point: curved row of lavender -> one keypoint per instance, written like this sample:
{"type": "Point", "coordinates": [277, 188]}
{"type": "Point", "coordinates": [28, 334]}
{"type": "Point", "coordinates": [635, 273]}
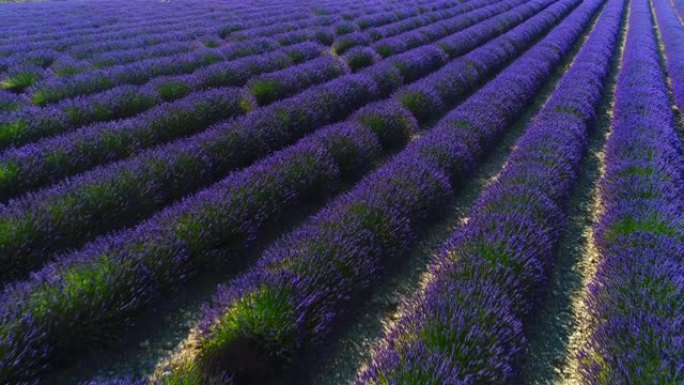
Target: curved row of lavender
{"type": "Point", "coordinates": [118, 194]}
{"type": "Point", "coordinates": [178, 239]}
{"type": "Point", "coordinates": [267, 320]}
{"type": "Point", "coordinates": [636, 298]}
{"type": "Point", "coordinates": [466, 325]}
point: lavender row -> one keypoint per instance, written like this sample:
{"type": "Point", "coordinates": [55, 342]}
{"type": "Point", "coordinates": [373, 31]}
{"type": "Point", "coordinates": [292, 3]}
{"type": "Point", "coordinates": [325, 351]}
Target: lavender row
{"type": "Point", "coordinates": [68, 39]}
{"type": "Point", "coordinates": [110, 59]}
{"type": "Point", "coordinates": [189, 30]}
{"type": "Point", "coordinates": [125, 272]}
{"type": "Point", "coordinates": [51, 159]}
{"type": "Point", "coordinates": [420, 20]}
{"type": "Point", "coordinates": [99, 48]}
{"type": "Point", "coordinates": [33, 123]}
{"type": "Point", "coordinates": [181, 41]}
{"type": "Point", "coordinates": [273, 29]}
{"type": "Point", "coordinates": [458, 18]}
{"type": "Point", "coordinates": [170, 172]}
{"type": "Point", "coordinates": [270, 31]}
{"type": "Point", "coordinates": [391, 17]}
{"type": "Point", "coordinates": [21, 73]}
{"type": "Point", "coordinates": [672, 32]}
{"type": "Point", "coordinates": [451, 81]}
{"type": "Point", "coordinates": [357, 15]}
{"type": "Point", "coordinates": [636, 297]}
{"type": "Point", "coordinates": [253, 58]}
{"type": "Point", "coordinates": [467, 323]}
{"type": "Point", "coordinates": [304, 284]}
{"type": "Point", "coordinates": [393, 21]}
{"type": "Point", "coordinates": [268, 88]}
{"type": "Point", "coordinates": [53, 90]}
{"type": "Point", "coordinates": [410, 39]}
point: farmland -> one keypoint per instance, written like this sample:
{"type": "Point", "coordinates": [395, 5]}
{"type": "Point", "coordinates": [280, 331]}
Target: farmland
{"type": "Point", "coordinates": [342, 192]}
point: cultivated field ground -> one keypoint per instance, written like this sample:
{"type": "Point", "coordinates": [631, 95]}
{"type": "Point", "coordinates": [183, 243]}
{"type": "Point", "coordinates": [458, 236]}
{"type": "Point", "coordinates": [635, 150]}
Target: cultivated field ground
{"type": "Point", "coordinates": [347, 192]}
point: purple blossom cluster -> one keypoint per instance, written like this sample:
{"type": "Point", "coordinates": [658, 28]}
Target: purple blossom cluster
{"type": "Point", "coordinates": [636, 297]}
{"type": "Point", "coordinates": [112, 58]}
{"type": "Point", "coordinates": [10, 101]}
{"type": "Point", "coordinates": [360, 57]}
{"type": "Point", "coordinates": [501, 258]}
{"type": "Point", "coordinates": [309, 279]}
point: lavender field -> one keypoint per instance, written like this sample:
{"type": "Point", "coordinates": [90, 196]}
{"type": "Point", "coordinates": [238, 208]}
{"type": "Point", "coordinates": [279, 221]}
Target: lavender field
{"type": "Point", "coordinates": [348, 192]}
